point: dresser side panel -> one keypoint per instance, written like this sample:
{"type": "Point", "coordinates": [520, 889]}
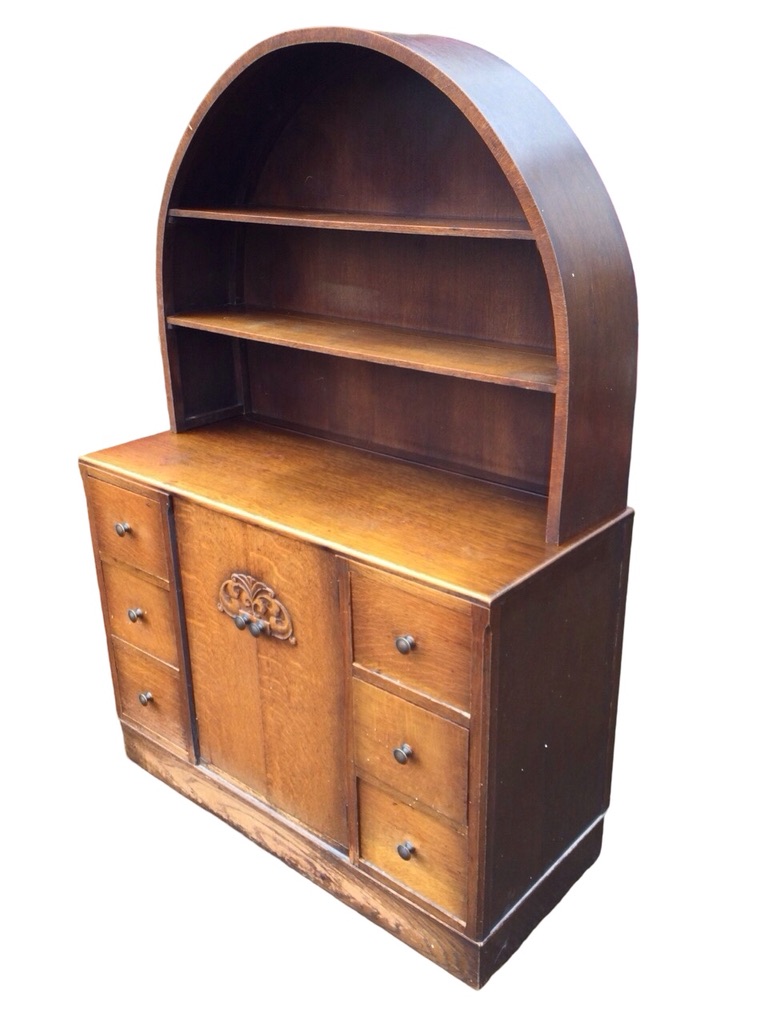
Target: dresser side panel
{"type": "Point", "coordinates": [557, 652]}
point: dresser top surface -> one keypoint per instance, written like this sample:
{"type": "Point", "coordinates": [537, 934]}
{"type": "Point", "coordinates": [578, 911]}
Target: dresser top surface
{"type": "Point", "coordinates": [468, 536]}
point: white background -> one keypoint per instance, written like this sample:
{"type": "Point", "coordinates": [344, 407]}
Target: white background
{"type": "Point", "coordinates": [121, 900]}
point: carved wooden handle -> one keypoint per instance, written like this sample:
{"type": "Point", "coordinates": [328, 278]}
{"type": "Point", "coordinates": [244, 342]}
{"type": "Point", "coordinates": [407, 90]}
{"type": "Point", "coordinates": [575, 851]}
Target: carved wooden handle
{"type": "Point", "coordinates": [253, 606]}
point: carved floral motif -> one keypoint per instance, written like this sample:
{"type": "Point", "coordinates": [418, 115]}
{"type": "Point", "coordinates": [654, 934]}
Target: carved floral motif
{"type": "Point", "coordinates": [242, 596]}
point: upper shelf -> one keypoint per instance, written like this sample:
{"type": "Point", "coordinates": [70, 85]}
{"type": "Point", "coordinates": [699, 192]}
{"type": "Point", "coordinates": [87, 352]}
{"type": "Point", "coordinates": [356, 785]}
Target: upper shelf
{"type": "Point", "coordinates": [475, 359]}
{"type": "Point", "coordinates": [343, 221]}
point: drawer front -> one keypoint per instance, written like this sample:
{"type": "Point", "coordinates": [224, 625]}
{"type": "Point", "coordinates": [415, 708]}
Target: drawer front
{"type": "Point", "coordinates": [140, 613]}
{"type": "Point", "coordinates": [413, 634]}
{"type": "Point", "coordinates": [436, 868]}
{"type": "Point", "coordinates": [150, 694]}
{"type": "Point", "coordinates": [130, 528]}
{"type": "Point", "coordinates": [412, 750]}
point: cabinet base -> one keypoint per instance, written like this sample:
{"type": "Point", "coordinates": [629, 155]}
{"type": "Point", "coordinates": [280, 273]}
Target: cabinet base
{"type": "Point", "coordinates": [470, 961]}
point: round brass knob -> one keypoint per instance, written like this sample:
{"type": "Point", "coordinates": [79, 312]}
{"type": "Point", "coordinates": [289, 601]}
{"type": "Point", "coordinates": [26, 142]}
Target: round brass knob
{"type": "Point", "coordinates": [405, 644]}
{"type": "Point", "coordinates": [134, 614]}
{"type": "Point", "coordinates": [145, 698]}
{"type": "Point", "coordinates": [406, 849]}
{"type": "Point", "coordinates": [121, 529]}
{"type": "Point", "coordinates": [402, 753]}
{"type": "Point", "coordinates": [241, 621]}
{"type": "Point", "coordinates": [257, 627]}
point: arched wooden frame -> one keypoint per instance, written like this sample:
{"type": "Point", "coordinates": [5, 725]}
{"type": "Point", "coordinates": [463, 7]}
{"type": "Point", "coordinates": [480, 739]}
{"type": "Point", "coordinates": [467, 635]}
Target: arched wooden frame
{"type": "Point", "coordinates": [579, 239]}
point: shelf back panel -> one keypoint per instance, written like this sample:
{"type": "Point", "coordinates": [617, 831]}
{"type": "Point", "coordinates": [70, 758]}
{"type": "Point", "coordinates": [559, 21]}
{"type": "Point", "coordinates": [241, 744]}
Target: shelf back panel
{"type": "Point", "coordinates": [483, 430]}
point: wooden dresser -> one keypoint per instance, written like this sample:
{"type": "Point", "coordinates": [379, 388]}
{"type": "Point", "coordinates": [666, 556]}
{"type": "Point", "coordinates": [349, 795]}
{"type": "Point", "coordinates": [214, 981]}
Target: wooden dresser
{"type": "Point", "coordinates": [365, 599]}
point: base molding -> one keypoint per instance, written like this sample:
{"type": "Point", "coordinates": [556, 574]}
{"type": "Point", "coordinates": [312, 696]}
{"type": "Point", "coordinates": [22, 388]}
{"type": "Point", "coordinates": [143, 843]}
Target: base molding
{"type": "Point", "coordinates": [471, 961]}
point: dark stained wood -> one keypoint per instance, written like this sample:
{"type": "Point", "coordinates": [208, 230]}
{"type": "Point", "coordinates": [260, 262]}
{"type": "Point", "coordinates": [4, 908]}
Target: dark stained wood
{"type": "Point", "coordinates": [375, 136]}
{"type": "Point", "coordinates": [370, 139]}
{"type": "Point", "coordinates": [399, 327]}
{"type": "Point", "coordinates": [556, 672]}
{"type": "Point", "coordinates": [468, 426]}
{"type": "Point", "coordinates": [446, 286]}
{"type": "Point", "coordinates": [442, 354]}
{"type": "Point", "coordinates": [359, 221]}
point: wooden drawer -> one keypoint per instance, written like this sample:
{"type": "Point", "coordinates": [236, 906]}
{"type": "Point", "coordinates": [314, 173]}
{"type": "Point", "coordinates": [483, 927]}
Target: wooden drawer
{"type": "Point", "coordinates": [150, 694]}
{"type": "Point", "coordinates": [150, 606]}
{"type": "Point", "coordinates": [436, 868]}
{"type": "Point", "coordinates": [433, 629]}
{"type": "Point", "coordinates": [141, 538]}
{"type": "Point", "coordinates": [412, 750]}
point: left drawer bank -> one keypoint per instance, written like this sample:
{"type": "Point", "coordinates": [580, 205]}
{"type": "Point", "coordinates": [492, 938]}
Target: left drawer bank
{"type": "Point", "coordinates": [134, 548]}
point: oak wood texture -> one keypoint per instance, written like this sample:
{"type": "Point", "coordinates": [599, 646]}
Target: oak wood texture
{"type": "Point", "coordinates": [166, 713]}
{"type": "Point", "coordinates": [143, 545]}
{"type": "Point", "coordinates": [435, 770]}
{"type": "Point", "coordinates": [268, 710]}
{"type": "Point", "coordinates": [398, 323]}
{"type": "Point", "coordinates": [153, 629]}
{"type": "Point", "coordinates": [440, 626]}
{"type": "Point", "coordinates": [136, 569]}
{"type": "Point", "coordinates": [437, 867]}
{"type": "Point", "coordinates": [469, 537]}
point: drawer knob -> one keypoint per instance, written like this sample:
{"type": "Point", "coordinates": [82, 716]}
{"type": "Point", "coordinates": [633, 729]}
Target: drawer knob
{"type": "Point", "coordinates": [134, 614]}
{"type": "Point", "coordinates": [121, 529]}
{"type": "Point", "coordinates": [145, 698]}
{"type": "Point", "coordinates": [405, 644]}
{"type": "Point", "coordinates": [406, 849]}
{"type": "Point", "coordinates": [254, 626]}
{"type": "Point", "coordinates": [402, 753]}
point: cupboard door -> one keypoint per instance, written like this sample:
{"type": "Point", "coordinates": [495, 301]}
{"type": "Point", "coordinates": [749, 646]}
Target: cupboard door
{"type": "Point", "coordinates": [266, 659]}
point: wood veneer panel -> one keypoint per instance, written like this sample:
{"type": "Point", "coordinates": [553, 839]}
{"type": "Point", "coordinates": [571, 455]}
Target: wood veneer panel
{"type": "Point", "coordinates": [466, 535]}
{"type": "Point", "coordinates": [492, 289]}
{"type": "Point", "coordinates": [377, 136]}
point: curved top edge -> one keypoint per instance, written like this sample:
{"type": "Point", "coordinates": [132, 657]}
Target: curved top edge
{"type": "Point", "coordinates": [574, 224]}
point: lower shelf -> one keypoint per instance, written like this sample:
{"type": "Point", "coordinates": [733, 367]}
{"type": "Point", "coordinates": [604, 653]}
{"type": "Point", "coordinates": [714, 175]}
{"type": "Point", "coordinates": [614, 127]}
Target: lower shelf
{"type": "Point", "coordinates": [473, 962]}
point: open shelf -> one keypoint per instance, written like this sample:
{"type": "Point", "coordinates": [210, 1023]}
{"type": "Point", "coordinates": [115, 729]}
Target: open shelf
{"type": "Point", "coordinates": [353, 221]}
{"type": "Point", "coordinates": [474, 359]}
